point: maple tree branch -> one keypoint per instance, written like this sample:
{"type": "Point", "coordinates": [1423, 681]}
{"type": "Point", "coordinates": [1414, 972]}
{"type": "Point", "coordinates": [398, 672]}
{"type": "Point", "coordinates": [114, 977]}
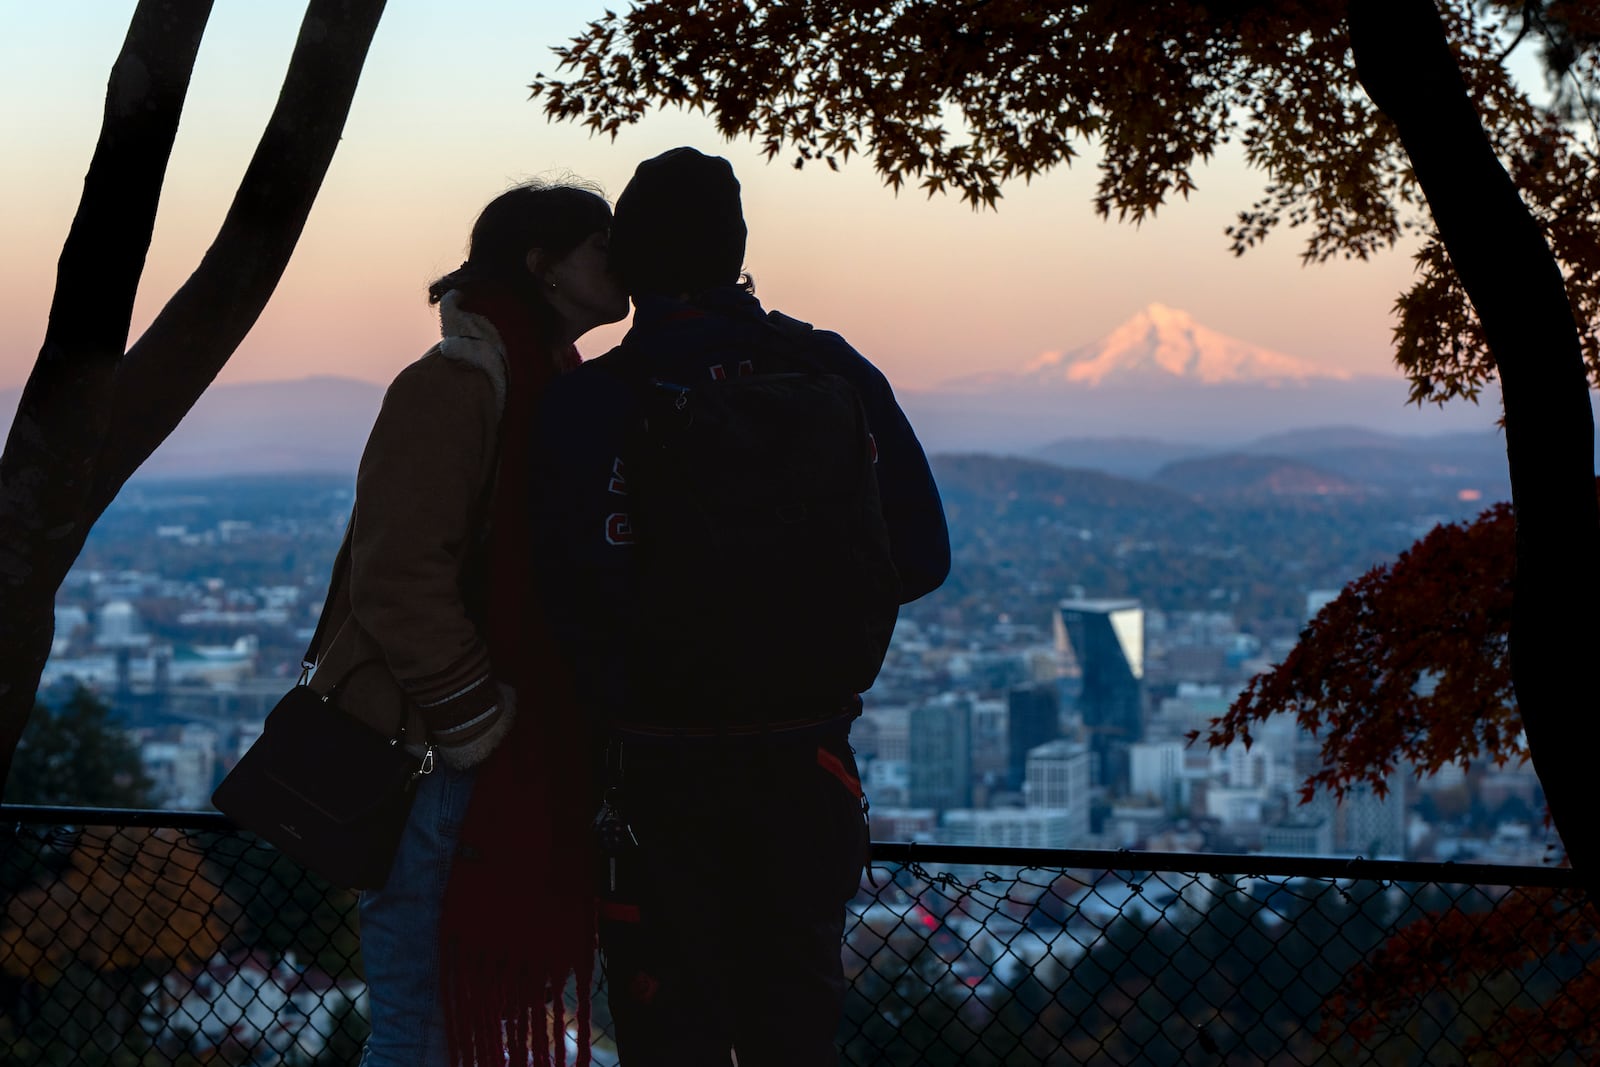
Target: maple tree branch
{"type": "Point", "coordinates": [1516, 288]}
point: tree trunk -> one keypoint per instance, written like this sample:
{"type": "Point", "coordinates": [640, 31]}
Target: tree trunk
{"type": "Point", "coordinates": [47, 469]}
{"type": "Point", "coordinates": [90, 414]}
{"type": "Point", "coordinates": [190, 341]}
{"type": "Point", "coordinates": [1517, 290]}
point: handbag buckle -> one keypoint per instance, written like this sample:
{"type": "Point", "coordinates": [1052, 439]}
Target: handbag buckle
{"type": "Point", "coordinates": [426, 766]}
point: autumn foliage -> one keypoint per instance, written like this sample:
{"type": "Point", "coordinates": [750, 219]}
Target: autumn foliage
{"type": "Point", "coordinates": [1409, 664]}
{"type": "Point", "coordinates": [1543, 939]}
{"type": "Point", "coordinates": [966, 97]}
{"type": "Point", "coordinates": [125, 900]}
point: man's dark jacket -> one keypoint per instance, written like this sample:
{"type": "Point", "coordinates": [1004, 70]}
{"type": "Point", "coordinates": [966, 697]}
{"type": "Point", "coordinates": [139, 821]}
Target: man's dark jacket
{"type": "Point", "coordinates": [579, 491]}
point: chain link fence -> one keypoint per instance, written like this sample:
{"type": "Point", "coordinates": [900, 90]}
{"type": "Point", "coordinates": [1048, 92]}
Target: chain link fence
{"type": "Point", "coordinates": [141, 938]}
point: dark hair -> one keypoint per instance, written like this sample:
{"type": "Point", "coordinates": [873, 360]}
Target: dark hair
{"type": "Point", "coordinates": [679, 225]}
{"type": "Point", "coordinates": [536, 214]}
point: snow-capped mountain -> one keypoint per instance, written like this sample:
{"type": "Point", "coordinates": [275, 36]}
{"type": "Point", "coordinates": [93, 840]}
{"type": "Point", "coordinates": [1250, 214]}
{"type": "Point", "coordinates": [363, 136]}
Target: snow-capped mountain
{"type": "Point", "coordinates": [1158, 346]}
{"type": "Point", "coordinates": [1163, 343]}
{"type": "Point", "coordinates": [1162, 375]}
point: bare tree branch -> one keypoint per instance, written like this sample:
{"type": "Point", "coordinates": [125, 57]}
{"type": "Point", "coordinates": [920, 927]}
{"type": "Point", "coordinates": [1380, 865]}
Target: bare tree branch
{"type": "Point", "coordinates": [46, 471]}
{"type": "Point", "coordinates": [90, 415]}
{"type": "Point", "coordinates": [198, 330]}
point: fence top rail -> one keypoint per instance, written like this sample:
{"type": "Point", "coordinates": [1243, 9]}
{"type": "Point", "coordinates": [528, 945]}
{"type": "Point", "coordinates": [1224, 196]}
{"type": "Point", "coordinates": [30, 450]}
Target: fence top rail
{"type": "Point", "coordinates": [1228, 863]}
{"type": "Point", "coordinates": [1216, 863]}
{"type": "Point", "coordinates": [55, 815]}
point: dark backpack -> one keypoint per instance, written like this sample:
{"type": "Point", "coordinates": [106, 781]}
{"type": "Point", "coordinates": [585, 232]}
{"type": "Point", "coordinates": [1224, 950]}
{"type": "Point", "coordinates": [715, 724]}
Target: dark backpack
{"type": "Point", "coordinates": [766, 590]}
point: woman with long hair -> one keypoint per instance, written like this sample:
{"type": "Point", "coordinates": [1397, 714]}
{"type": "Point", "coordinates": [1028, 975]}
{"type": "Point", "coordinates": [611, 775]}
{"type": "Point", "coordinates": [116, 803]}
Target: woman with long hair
{"type": "Point", "coordinates": [486, 911]}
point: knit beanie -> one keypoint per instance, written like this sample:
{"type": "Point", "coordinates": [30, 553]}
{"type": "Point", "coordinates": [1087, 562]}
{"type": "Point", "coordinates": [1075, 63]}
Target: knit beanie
{"type": "Point", "coordinates": [678, 227]}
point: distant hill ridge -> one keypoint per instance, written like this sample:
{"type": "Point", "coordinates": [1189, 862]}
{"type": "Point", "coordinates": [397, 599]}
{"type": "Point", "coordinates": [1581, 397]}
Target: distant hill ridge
{"type": "Point", "coordinates": [1019, 486]}
{"type": "Point", "coordinates": [1242, 475]}
{"type": "Point", "coordinates": [993, 501]}
{"type": "Point", "coordinates": [1330, 459]}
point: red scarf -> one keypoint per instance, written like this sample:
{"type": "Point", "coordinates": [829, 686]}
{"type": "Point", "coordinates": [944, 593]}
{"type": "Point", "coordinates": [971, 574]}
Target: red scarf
{"type": "Point", "coordinates": [518, 913]}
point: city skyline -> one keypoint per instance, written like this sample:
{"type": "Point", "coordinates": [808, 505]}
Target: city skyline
{"type": "Point", "coordinates": [191, 606]}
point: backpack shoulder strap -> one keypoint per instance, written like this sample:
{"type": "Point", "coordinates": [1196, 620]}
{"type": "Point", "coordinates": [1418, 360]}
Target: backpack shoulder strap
{"type": "Point", "coordinates": [626, 366]}
{"type": "Point", "coordinates": [794, 338]}
{"type": "Point", "coordinates": [790, 326]}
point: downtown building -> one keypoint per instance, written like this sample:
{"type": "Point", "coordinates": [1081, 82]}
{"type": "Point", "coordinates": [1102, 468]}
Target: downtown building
{"type": "Point", "coordinates": [1101, 645]}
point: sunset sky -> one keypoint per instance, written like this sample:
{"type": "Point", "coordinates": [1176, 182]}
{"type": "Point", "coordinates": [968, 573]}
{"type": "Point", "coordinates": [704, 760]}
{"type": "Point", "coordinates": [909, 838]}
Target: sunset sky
{"type": "Point", "coordinates": [929, 290]}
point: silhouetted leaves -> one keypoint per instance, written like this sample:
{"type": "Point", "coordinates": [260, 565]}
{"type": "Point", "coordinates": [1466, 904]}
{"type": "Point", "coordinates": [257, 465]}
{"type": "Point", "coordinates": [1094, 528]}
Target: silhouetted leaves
{"type": "Point", "coordinates": [1528, 968]}
{"type": "Point", "coordinates": [965, 97]}
{"type": "Point", "coordinates": [1409, 664]}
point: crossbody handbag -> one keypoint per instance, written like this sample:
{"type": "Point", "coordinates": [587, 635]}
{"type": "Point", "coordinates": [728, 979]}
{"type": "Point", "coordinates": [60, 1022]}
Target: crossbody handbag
{"type": "Point", "coordinates": [320, 785]}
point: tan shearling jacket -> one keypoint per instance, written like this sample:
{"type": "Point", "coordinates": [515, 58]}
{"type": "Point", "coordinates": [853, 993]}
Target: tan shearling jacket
{"type": "Point", "coordinates": [405, 632]}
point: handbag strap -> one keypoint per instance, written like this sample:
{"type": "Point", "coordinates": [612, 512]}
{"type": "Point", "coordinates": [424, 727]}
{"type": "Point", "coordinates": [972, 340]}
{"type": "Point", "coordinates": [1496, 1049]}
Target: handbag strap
{"type": "Point", "coordinates": [341, 563]}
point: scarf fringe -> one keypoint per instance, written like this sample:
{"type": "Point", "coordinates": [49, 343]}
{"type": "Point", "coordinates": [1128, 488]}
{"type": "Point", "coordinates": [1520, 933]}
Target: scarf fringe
{"type": "Point", "coordinates": [492, 1011]}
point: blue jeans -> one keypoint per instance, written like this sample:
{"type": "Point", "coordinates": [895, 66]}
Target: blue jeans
{"type": "Point", "coordinates": [400, 929]}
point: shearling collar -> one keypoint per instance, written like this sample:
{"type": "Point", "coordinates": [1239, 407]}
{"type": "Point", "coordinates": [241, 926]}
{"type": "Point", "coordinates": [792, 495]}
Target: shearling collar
{"type": "Point", "coordinates": [472, 339]}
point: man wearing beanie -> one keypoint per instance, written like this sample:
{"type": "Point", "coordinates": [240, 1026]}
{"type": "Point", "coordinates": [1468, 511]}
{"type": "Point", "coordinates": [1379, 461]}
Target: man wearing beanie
{"type": "Point", "coordinates": [726, 851]}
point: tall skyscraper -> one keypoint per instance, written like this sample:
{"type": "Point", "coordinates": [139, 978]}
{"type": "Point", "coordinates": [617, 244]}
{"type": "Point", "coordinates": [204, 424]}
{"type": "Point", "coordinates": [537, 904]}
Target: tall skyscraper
{"type": "Point", "coordinates": [990, 726]}
{"type": "Point", "coordinates": [941, 754]}
{"type": "Point", "coordinates": [1033, 717]}
{"type": "Point", "coordinates": [1102, 643]}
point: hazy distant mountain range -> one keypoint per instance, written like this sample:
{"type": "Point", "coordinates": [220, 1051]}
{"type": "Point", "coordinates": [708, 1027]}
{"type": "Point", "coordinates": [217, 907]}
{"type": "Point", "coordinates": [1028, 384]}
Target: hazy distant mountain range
{"type": "Point", "coordinates": [1147, 401]}
{"type": "Point", "coordinates": [311, 424]}
{"type": "Point", "coordinates": [1331, 459]}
